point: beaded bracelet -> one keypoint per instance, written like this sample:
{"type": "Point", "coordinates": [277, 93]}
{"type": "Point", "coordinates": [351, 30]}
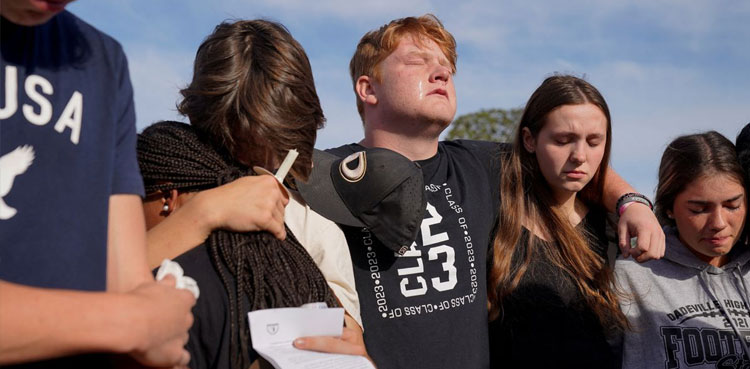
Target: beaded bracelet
{"type": "Point", "coordinates": [625, 200]}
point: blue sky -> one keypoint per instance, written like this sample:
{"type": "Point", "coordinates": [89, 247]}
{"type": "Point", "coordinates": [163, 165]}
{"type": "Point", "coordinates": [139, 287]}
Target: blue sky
{"type": "Point", "coordinates": [666, 67]}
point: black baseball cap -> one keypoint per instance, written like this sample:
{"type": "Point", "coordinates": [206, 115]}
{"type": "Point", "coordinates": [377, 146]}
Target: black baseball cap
{"type": "Point", "coordinates": [375, 188]}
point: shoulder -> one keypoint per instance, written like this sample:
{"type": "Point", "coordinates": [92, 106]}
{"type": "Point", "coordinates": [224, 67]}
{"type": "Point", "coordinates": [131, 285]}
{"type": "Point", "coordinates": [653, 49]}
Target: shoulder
{"type": "Point", "coordinates": [197, 264]}
{"type": "Point", "coordinates": [476, 147]}
{"type": "Point", "coordinates": [88, 30]}
{"type": "Point", "coordinates": [313, 231]}
{"type": "Point", "coordinates": [98, 43]}
{"type": "Point", "coordinates": [487, 153]}
{"type": "Point", "coordinates": [594, 224]}
{"type": "Point", "coordinates": [345, 150]}
{"type": "Point", "coordinates": [630, 274]}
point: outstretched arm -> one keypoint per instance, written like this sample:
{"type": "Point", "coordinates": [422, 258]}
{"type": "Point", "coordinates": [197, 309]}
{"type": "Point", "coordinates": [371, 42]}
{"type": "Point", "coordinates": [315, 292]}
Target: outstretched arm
{"type": "Point", "coordinates": [127, 270]}
{"type": "Point", "coordinates": [636, 221]}
{"type": "Point", "coordinates": [41, 323]}
{"type": "Point", "coordinates": [149, 321]}
{"type": "Point", "coordinates": [247, 204]}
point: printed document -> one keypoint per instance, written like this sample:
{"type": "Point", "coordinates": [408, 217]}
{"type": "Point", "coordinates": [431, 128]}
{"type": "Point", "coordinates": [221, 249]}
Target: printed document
{"type": "Point", "coordinates": [273, 331]}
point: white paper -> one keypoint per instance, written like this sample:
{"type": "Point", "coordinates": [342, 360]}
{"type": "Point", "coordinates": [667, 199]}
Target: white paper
{"type": "Point", "coordinates": [169, 267]}
{"type": "Point", "coordinates": [273, 331]}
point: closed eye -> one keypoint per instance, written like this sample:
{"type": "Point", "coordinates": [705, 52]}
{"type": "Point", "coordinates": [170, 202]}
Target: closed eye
{"type": "Point", "coordinates": [595, 140]}
{"type": "Point", "coordinates": [563, 139]}
{"type": "Point", "coordinates": [733, 206]}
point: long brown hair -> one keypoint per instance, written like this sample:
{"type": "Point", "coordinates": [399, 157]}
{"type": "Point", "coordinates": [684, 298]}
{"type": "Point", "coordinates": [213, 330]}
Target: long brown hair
{"type": "Point", "coordinates": [527, 195]}
{"type": "Point", "coordinates": [253, 95]}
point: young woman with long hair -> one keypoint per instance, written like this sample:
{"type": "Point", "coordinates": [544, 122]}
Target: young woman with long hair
{"type": "Point", "coordinates": [550, 292]}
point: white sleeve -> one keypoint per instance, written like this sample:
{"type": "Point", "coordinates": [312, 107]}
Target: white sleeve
{"type": "Point", "coordinates": [326, 244]}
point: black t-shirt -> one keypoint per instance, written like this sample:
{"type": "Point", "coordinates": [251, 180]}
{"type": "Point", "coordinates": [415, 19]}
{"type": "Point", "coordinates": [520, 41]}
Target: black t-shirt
{"type": "Point", "coordinates": [210, 334]}
{"type": "Point", "coordinates": [545, 323]}
{"type": "Point", "coordinates": [428, 307]}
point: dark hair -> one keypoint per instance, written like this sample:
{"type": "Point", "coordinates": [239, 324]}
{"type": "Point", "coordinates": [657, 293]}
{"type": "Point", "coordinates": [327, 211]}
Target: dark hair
{"type": "Point", "coordinates": [688, 158]}
{"type": "Point", "coordinates": [526, 194]}
{"type": "Point", "coordinates": [743, 151]}
{"type": "Point", "coordinates": [253, 95]}
{"type": "Point", "coordinates": [267, 272]}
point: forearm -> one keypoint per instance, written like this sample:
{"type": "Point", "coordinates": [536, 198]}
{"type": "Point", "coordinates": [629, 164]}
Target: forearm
{"type": "Point", "coordinates": [182, 230]}
{"type": "Point", "coordinates": [638, 224]}
{"type": "Point", "coordinates": [45, 323]}
{"type": "Point", "coordinates": [126, 244]}
{"type": "Point", "coordinates": [251, 203]}
{"type": "Point", "coordinates": [614, 187]}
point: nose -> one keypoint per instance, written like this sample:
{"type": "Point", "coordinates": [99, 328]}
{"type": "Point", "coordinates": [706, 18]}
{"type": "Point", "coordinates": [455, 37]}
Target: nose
{"type": "Point", "coordinates": [578, 155]}
{"type": "Point", "coordinates": [440, 74]}
{"type": "Point", "coordinates": [717, 221]}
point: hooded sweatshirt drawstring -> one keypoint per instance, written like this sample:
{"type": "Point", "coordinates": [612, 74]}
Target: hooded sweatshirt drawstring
{"type": "Point", "coordinates": [741, 285]}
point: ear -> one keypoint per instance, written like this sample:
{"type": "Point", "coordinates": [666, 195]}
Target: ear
{"type": "Point", "coordinates": [172, 200]}
{"type": "Point", "coordinates": [365, 90]}
{"type": "Point", "coordinates": [529, 142]}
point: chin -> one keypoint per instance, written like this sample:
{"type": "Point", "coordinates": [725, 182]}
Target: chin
{"type": "Point", "coordinates": [717, 251]}
{"type": "Point", "coordinates": [574, 189]}
{"type": "Point", "coordinates": [437, 121]}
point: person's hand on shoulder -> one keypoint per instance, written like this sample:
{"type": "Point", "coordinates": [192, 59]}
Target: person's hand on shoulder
{"type": "Point", "coordinates": [639, 221]}
{"type": "Point", "coordinates": [252, 203]}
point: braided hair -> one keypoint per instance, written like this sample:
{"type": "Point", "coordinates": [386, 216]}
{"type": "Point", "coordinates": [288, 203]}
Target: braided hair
{"type": "Point", "coordinates": [267, 272]}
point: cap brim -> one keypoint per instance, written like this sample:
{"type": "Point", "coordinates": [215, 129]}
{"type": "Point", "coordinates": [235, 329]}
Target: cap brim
{"type": "Point", "coordinates": [320, 194]}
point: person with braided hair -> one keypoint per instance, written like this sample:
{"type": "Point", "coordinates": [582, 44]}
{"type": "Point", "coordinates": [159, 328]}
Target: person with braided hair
{"type": "Point", "coordinates": [251, 100]}
{"type": "Point", "coordinates": [237, 272]}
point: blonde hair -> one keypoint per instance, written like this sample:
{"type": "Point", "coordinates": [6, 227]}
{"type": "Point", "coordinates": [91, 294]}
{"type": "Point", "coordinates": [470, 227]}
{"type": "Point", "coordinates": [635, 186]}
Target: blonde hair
{"type": "Point", "coordinates": [375, 46]}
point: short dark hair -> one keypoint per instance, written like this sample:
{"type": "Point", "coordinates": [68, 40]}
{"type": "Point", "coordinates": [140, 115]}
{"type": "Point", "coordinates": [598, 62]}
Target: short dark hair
{"type": "Point", "coordinates": [743, 151]}
{"type": "Point", "coordinates": [688, 158]}
{"type": "Point", "coordinates": [253, 95]}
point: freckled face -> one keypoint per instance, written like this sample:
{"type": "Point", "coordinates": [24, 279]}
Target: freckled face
{"type": "Point", "coordinates": [570, 146]}
{"type": "Point", "coordinates": [710, 214]}
{"type": "Point", "coordinates": [416, 82]}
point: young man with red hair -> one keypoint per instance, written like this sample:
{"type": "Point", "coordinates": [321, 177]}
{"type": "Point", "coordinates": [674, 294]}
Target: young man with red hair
{"type": "Point", "coordinates": [426, 306]}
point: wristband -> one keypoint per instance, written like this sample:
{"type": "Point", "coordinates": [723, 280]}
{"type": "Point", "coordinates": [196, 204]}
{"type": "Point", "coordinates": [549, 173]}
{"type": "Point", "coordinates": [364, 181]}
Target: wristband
{"type": "Point", "coordinates": [622, 208]}
{"type": "Point", "coordinates": [625, 200]}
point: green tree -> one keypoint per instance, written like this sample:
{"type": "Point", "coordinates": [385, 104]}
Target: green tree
{"type": "Point", "coordinates": [486, 124]}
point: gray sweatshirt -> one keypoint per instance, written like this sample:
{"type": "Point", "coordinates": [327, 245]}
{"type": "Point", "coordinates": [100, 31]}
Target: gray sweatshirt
{"type": "Point", "coordinates": [685, 313]}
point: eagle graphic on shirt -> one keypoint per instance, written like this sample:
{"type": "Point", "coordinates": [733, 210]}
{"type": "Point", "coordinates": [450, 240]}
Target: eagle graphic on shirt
{"type": "Point", "coordinates": [12, 164]}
